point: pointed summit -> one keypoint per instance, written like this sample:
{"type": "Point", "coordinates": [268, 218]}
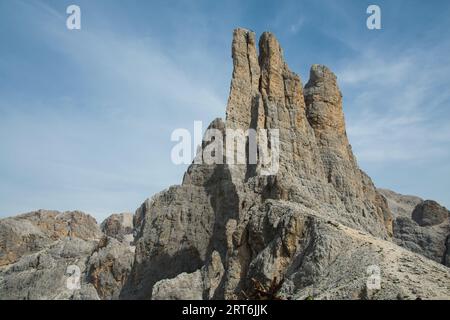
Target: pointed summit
{"type": "Point", "coordinates": [324, 100]}
{"type": "Point", "coordinates": [245, 79]}
{"type": "Point", "coordinates": [272, 65]}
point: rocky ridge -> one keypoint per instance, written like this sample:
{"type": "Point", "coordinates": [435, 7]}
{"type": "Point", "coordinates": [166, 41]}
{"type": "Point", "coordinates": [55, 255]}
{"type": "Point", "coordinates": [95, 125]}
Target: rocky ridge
{"type": "Point", "coordinates": [317, 226]}
{"type": "Point", "coordinates": [42, 252]}
{"type": "Point", "coordinates": [422, 226]}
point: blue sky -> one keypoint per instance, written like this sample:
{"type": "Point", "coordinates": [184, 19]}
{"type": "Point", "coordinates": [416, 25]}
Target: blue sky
{"type": "Point", "coordinates": [86, 116]}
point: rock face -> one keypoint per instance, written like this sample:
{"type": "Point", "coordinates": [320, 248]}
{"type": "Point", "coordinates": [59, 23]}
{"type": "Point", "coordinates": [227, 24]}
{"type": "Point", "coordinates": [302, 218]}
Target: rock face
{"type": "Point", "coordinates": [400, 205]}
{"type": "Point", "coordinates": [119, 226]}
{"type": "Point", "coordinates": [109, 266]}
{"type": "Point", "coordinates": [314, 226]}
{"type": "Point", "coordinates": [430, 213]}
{"type": "Point", "coordinates": [53, 255]}
{"type": "Point", "coordinates": [447, 252]}
{"type": "Point", "coordinates": [41, 250]}
{"type": "Point", "coordinates": [199, 285]}
{"type": "Point", "coordinates": [32, 232]}
{"type": "Point", "coordinates": [421, 226]}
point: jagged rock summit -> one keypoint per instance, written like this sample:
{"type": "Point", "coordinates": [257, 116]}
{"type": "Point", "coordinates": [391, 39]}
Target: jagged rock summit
{"type": "Point", "coordinates": [318, 222]}
{"type": "Point", "coordinates": [317, 226]}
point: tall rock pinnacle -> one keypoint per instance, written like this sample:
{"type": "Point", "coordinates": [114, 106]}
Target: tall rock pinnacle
{"type": "Point", "coordinates": [324, 101]}
{"type": "Point", "coordinates": [326, 117]}
{"type": "Point", "coordinates": [231, 211]}
{"type": "Point", "coordinates": [245, 80]}
{"type": "Point", "coordinates": [314, 150]}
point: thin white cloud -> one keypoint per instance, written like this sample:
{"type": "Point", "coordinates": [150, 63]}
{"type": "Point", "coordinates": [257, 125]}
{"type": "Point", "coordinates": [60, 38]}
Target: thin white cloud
{"type": "Point", "coordinates": [296, 26]}
{"type": "Point", "coordinates": [393, 106]}
{"type": "Point", "coordinates": [117, 134]}
{"type": "Point", "coordinates": [371, 68]}
{"type": "Point", "coordinates": [39, 7]}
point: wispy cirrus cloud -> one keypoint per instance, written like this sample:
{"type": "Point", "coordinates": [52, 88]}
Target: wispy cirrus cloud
{"type": "Point", "coordinates": [394, 101]}
{"type": "Point", "coordinates": [296, 26]}
{"type": "Point", "coordinates": [99, 124]}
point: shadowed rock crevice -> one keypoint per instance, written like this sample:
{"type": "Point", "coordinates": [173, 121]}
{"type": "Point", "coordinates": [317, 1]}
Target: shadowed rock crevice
{"type": "Point", "coordinates": [224, 200]}
{"type": "Point", "coordinates": [162, 267]}
{"type": "Point", "coordinates": [446, 257]}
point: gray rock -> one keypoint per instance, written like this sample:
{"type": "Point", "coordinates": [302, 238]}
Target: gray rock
{"type": "Point", "coordinates": [199, 285]}
{"type": "Point", "coordinates": [430, 213]}
{"type": "Point", "coordinates": [428, 241]}
{"type": "Point", "coordinates": [119, 226]}
{"type": "Point", "coordinates": [400, 205]}
{"type": "Point", "coordinates": [39, 248]}
{"type": "Point", "coordinates": [420, 226]}
{"type": "Point", "coordinates": [447, 252]}
{"type": "Point", "coordinates": [109, 266]}
{"type": "Point", "coordinates": [185, 286]}
{"type": "Point", "coordinates": [44, 275]}
{"type": "Point", "coordinates": [322, 259]}
{"type": "Point", "coordinates": [34, 231]}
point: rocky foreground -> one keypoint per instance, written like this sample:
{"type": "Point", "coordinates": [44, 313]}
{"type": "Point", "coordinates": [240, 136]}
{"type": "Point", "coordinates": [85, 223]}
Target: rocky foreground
{"type": "Point", "coordinates": [317, 228]}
